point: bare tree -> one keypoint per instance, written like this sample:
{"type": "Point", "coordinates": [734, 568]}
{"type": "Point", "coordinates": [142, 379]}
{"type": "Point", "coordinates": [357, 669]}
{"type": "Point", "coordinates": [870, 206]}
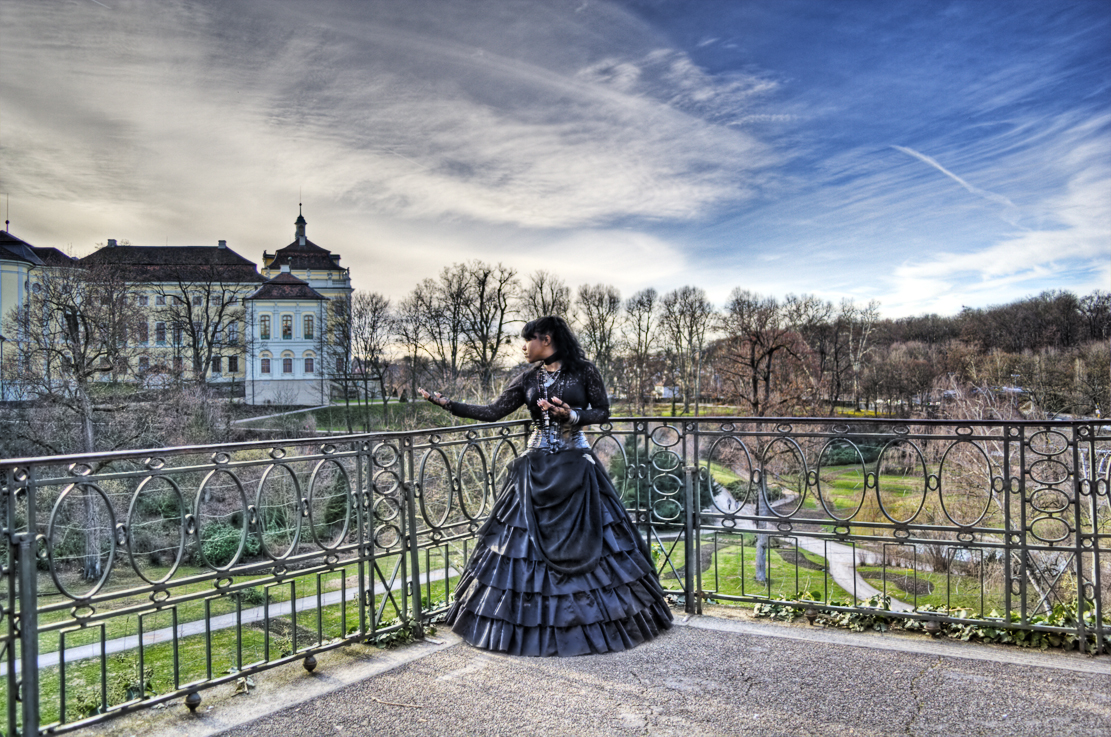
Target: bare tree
{"type": "Point", "coordinates": [410, 328]}
{"type": "Point", "coordinates": [827, 363]}
{"type": "Point", "coordinates": [1095, 311]}
{"type": "Point", "coordinates": [860, 323]}
{"type": "Point", "coordinates": [335, 345]}
{"type": "Point", "coordinates": [599, 310]}
{"type": "Point", "coordinates": [491, 293]}
{"type": "Point", "coordinates": [546, 294]}
{"type": "Point", "coordinates": [204, 313]}
{"type": "Point", "coordinates": [639, 336]}
{"type": "Point", "coordinates": [757, 336]}
{"type": "Point", "coordinates": [442, 305]}
{"type": "Point", "coordinates": [371, 332]}
{"type": "Point", "coordinates": [685, 318]}
{"type": "Point", "coordinates": [71, 338]}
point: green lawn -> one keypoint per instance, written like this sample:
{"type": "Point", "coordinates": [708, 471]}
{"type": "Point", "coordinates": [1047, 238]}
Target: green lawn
{"type": "Point", "coordinates": [731, 570]}
{"type": "Point", "coordinates": [228, 649]}
{"type": "Point", "coordinates": [950, 590]}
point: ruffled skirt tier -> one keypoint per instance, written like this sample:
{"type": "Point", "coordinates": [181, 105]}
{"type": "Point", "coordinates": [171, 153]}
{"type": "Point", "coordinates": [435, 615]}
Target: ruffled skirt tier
{"type": "Point", "coordinates": [513, 598]}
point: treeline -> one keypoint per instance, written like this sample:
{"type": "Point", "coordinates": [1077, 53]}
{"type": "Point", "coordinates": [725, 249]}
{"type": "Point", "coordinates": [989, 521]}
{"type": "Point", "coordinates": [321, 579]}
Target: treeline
{"type": "Point", "coordinates": [758, 355]}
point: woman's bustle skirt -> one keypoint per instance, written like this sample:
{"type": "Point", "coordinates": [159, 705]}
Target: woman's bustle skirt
{"type": "Point", "coordinates": [510, 599]}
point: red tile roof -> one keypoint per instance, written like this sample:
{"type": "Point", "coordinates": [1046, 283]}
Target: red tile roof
{"type": "Point", "coordinates": [176, 263]}
{"type": "Point", "coordinates": [307, 256]}
{"type": "Point", "coordinates": [286, 286]}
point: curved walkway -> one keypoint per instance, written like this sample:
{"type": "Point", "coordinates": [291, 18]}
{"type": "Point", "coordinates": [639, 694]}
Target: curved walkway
{"type": "Point", "coordinates": [842, 560]}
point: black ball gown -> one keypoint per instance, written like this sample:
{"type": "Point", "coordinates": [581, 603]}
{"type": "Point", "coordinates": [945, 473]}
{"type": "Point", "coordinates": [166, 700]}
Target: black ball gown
{"type": "Point", "coordinates": [558, 568]}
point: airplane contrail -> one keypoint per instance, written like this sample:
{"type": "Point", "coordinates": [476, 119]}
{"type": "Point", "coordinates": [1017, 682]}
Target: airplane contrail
{"type": "Point", "coordinates": [991, 196]}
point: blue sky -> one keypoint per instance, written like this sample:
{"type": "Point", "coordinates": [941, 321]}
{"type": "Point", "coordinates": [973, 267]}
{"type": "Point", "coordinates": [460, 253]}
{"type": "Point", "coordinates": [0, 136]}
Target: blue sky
{"type": "Point", "coordinates": [925, 154]}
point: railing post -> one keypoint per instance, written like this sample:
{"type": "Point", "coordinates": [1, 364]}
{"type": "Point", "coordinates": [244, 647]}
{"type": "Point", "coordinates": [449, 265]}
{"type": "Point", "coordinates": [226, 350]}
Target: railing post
{"type": "Point", "coordinates": [364, 474]}
{"type": "Point", "coordinates": [11, 574]}
{"type": "Point", "coordinates": [410, 487]}
{"type": "Point", "coordinates": [690, 554]}
{"type": "Point", "coordinates": [28, 634]}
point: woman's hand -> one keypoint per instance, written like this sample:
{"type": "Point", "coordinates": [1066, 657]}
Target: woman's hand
{"type": "Point", "coordinates": [557, 409]}
{"type": "Point", "coordinates": [436, 398]}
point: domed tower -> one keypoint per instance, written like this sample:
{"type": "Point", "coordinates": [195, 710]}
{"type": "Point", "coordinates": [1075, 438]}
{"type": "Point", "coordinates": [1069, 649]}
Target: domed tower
{"type": "Point", "coordinates": [293, 318]}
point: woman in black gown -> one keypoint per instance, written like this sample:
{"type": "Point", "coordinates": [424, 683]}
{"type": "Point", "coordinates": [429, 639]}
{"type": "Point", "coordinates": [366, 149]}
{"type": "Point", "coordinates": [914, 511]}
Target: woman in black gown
{"type": "Point", "coordinates": [558, 568]}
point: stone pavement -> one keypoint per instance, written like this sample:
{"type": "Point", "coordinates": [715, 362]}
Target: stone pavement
{"type": "Point", "coordinates": [700, 681]}
{"type": "Point", "coordinates": [708, 676]}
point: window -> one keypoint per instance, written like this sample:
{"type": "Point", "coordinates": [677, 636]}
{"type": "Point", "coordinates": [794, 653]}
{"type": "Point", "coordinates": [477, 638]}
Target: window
{"type": "Point", "coordinates": [178, 365]}
{"type": "Point", "coordinates": [308, 364]}
{"type": "Point", "coordinates": [177, 335]}
{"type": "Point", "coordinates": [160, 333]}
{"type": "Point", "coordinates": [178, 300]}
{"type": "Point", "coordinates": [264, 327]}
{"type": "Point", "coordinates": [198, 300]}
{"type": "Point", "coordinates": [339, 364]}
{"type": "Point", "coordinates": [144, 364]}
{"type": "Point", "coordinates": [287, 365]}
{"type": "Point", "coordinates": [308, 327]}
{"type": "Point", "coordinates": [233, 333]}
{"type": "Point", "coordinates": [287, 327]}
{"type": "Point", "coordinates": [216, 362]}
{"type": "Point", "coordinates": [265, 365]}
{"type": "Point", "coordinates": [233, 364]}
{"type": "Point", "coordinates": [143, 330]}
{"type": "Point", "coordinates": [214, 300]}
{"type": "Point", "coordinates": [144, 300]}
{"type": "Point", "coordinates": [159, 299]}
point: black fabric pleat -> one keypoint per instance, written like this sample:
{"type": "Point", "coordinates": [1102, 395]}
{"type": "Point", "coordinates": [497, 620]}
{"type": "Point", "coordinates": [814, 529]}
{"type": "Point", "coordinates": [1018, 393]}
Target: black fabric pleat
{"type": "Point", "coordinates": [558, 568]}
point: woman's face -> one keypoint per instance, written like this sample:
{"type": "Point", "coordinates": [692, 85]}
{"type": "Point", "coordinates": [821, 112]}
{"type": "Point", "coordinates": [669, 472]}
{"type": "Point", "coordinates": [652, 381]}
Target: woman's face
{"type": "Point", "coordinates": [538, 347]}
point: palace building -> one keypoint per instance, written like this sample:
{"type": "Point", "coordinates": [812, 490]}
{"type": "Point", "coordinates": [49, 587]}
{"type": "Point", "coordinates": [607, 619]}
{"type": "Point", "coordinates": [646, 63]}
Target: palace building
{"type": "Point", "coordinates": [205, 313]}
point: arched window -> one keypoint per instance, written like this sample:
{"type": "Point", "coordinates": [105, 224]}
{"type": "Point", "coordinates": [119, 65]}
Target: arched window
{"type": "Point", "coordinates": [287, 363]}
{"type": "Point", "coordinates": [264, 327]}
{"type": "Point", "coordinates": [265, 369]}
{"type": "Point", "coordinates": [310, 363]}
{"type": "Point", "coordinates": [308, 326]}
{"type": "Point", "coordinates": [287, 327]}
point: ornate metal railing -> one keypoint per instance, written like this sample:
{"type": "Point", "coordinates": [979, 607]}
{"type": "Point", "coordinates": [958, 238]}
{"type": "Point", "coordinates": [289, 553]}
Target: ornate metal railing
{"type": "Point", "coordinates": [133, 578]}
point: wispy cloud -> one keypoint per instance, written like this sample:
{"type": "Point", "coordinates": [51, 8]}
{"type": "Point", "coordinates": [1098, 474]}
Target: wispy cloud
{"type": "Point", "coordinates": [990, 196]}
{"type": "Point", "coordinates": [530, 132]}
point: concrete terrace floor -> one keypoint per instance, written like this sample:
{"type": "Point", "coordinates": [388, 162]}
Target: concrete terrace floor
{"type": "Point", "coordinates": [710, 675]}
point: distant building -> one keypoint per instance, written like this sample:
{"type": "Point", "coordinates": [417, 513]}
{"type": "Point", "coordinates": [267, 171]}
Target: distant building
{"type": "Point", "coordinates": [292, 320]}
{"type": "Point", "coordinates": [17, 260]}
{"type": "Point", "coordinates": [209, 314]}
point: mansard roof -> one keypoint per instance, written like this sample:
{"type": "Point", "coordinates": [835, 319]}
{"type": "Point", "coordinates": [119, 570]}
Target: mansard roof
{"type": "Point", "coordinates": [176, 263]}
{"type": "Point", "coordinates": [53, 257]}
{"type": "Point", "coordinates": [305, 255]}
{"type": "Point", "coordinates": [286, 286]}
{"type": "Point", "coordinates": [17, 249]}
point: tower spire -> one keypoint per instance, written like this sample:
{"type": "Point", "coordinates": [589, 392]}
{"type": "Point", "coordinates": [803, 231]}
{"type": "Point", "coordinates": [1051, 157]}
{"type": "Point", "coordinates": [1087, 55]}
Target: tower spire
{"type": "Point", "coordinates": [300, 222]}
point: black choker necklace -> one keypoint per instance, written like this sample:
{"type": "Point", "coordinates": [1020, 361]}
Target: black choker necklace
{"type": "Point", "coordinates": [552, 358]}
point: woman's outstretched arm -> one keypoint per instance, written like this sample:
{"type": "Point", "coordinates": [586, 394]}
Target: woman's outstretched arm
{"type": "Point", "coordinates": [512, 397]}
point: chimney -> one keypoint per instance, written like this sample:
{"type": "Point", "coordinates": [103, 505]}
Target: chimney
{"type": "Point", "coordinates": [222, 244]}
{"type": "Point", "coordinates": [111, 242]}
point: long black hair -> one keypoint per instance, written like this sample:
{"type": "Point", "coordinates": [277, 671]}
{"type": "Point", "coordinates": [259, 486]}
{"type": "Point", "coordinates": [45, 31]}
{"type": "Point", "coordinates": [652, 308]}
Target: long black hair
{"type": "Point", "coordinates": [571, 354]}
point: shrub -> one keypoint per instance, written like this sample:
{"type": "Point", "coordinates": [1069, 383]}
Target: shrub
{"type": "Point", "coordinates": [219, 541]}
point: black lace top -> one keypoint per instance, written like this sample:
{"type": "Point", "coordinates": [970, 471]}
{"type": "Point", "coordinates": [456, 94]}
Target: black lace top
{"type": "Point", "coordinates": [583, 391]}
